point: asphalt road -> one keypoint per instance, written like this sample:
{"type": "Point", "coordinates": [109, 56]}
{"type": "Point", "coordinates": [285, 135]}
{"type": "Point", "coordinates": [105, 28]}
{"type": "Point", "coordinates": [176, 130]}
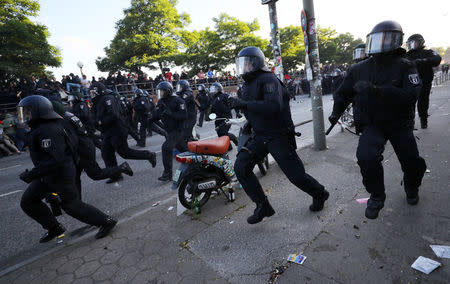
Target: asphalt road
{"type": "Point", "coordinates": [19, 235]}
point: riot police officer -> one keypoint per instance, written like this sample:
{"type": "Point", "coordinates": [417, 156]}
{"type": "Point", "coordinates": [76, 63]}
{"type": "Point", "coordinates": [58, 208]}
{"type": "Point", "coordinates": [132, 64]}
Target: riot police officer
{"type": "Point", "coordinates": [425, 60]}
{"type": "Point", "coordinates": [54, 171]}
{"type": "Point", "coordinates": [81, 110]}
{"type": "Point", "coordinates": [265, 104]}
{"type": "Point", "coordinates": [184, 91]}
{"type": "Point", "coordinates": [384, 90]}
{"type": "Point", "coordinates": [221, 108]}
{"type": "Point", "coordinates": [141, 106]}
{"type": "Point", "coordinates": [156, 126]}
{"type": "Point", "coordinates": [203, 103]}
{"type": "Point", "coordinates": [359, 53]}
{"type": "Point", "coordinates": [126, 111]}
{"type": "Point", "coordinates": [171, 109]}
{"type": "Point", "coordinates": [115, 132]}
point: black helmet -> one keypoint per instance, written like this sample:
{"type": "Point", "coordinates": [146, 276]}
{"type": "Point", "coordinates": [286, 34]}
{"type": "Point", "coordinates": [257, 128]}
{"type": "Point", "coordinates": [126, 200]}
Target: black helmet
{"type": "Point", "coordinates": [138, 93]}
{"type": "Point", "coordinates": [164, 90]}
{"type": "Point", "coordinates": [416, 41]}
{"type": "Point", "coordinates": [182, 86]}
{"type": "Point", "coordinates": [250, 59]}
{"type": "Point", "coordinates": [97, 89]}
{"type": "Point", "coordinates": [35, 107]}
{"type": "Point", "coordinates": [384, 37]}
{"type": "Point", "coordinates": [359, 52]}
{"type": "Point", "coordinates": [201, 87]}
{"type": "Point", "coordinates": [145, 93]}
{"type": "Point", "coordinates": [216, 88]}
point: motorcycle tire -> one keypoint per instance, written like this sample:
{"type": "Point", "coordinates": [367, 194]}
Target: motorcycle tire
{"type": "Point", "coordinates": [184, 189]}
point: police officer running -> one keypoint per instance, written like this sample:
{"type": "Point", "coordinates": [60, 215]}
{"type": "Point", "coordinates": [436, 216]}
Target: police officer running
{"type": "Point", "coordinates": [171, 109]}
{"type": "Point", "coordinates": [184, 91]}
{"type": "Point", "coordinates": [54, 171]}
{"type": "Point", "coordinates": [141, 106]}
{"type": "Point", "coordinates": [359, 53]}
{"type": "Point", "coordinates": [115, 132]}
{"type": "Point", "coordinates": [384, 89]}
{"type": "Point", "coordinates": [268, 113]}
{"type": "Point", "coordinates": [425, 60]}
{"type": "Point", "coordinates": [221, 108]}
{"type": "Point", "coordinates": [204, 103]}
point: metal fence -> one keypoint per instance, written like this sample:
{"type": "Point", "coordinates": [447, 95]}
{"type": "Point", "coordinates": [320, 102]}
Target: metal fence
{"type": "Point", "coordinates": [440, 77]}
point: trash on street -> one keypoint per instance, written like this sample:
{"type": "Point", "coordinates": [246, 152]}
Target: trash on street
{"type": "Point", "coordinates": [425, 265]}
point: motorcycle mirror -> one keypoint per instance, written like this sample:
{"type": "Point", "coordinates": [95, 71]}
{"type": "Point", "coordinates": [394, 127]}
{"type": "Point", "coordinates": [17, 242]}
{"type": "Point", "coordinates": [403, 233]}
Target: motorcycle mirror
{"type": "Point", "coordinates": [212, 116]}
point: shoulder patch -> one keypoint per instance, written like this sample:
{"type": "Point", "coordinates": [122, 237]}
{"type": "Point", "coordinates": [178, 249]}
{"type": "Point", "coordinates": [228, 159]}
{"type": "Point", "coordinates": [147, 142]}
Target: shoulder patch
{"type": "Point", "coordinates": [269, 87]}
{"type": "Point", "coordinates": [108, 102]}
{"type": "Point", "coordinates": [46, 143]}
{"type": "Point", "coordinates": [185, 96]}
{"type": "Point", "coordinates": [414, 79]}
{"type": "Point", "coordinates": [182, 106]}
{"type": "Point", "coordinates": [82, 106]}
{"type": "Point", "coordinates": [142, 102]}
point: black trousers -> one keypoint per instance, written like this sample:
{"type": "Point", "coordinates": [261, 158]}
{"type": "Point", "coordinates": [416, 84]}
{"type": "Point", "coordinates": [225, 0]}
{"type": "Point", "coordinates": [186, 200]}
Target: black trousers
{"type": "Point", "coordinates": [32, 204]}
{"type": "Point", "coordinates": [370, 157]}
{"type": "Point", "coordinates": [188, 126]}
{"type": "Point", "coordinates": [201, 118]}
{"type": "Point", "coordinates": [223, 129]}
{"type": "Point", "coordinates": [119, 144]}
{"type": "Point", "coordinates": [174, 139]}
{"type": "Point", "coordinates": [423, 102]}
{"type": "Point", "coordinates": [143, 119]}
{"type": "Point", "coordinates": [157, 128]}
{"type": "Point", "coordinates": [284, 154]}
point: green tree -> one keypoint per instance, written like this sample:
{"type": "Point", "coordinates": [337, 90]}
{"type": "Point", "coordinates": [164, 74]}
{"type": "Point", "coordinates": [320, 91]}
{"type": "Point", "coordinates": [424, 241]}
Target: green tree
{"type": "Point", "coordinates": [24, 49]}
{"type": "Point", "coordinates": [150, 33]}
{"type": "Point", "coordinates": [292, 47]}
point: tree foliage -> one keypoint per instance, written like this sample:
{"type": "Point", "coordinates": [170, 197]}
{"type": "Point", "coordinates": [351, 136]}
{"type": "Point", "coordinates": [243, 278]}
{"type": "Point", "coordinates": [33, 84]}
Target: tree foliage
{"type": "Point", "coordinates": [335, 48]}
{"type": "Point", "coordinates": [150, 33]}
{"type": "Point", "coordinates": [24, 49]}
{"type": "Point", "coordinates": [292, 47]}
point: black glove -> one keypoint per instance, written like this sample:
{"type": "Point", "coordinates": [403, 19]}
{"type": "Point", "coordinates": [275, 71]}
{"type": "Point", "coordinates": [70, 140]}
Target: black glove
{"type": "Point", "coordinates": [420, 61]}
{"type": "Point", "coordinates": [26, 176]}
{"type": "Point", "coordinates": [237, 103]}
{"type": "Point", "coordinates": [333, 118]}
{"type": "Point", "coordinates": [364, 87]}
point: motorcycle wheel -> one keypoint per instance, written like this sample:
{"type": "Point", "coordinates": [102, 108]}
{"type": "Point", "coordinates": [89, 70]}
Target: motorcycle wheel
{"type": "Point", "coordinates": [186, 198]}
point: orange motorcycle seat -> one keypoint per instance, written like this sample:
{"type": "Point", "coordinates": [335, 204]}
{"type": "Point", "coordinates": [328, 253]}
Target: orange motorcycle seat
{"type": "Point", "coordinates": [217, 146]}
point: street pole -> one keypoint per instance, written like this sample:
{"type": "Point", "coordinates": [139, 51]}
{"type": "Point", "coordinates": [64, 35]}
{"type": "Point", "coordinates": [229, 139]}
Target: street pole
{"type": "Point", "coordinates": [275, 41]}
{"type": "Point", "coordinates": [313, 70]}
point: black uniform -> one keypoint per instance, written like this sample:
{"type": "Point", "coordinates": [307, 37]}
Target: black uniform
{"type": "Point", "coordinates": [204, 101]}
{"type": "Point", "coordinates": [127, 116]}
{"type": "Point", "coordinates": [54, 171]}
{"type": "Point", "coordinates": [384, 91]}
{"type": "Point", "coordinates": [115, 132]}
{"type": "Point", "coordinates": [221, 108]}
{"type": "Point", "coordinates": [142, 108]}
{"type": "Point", "coordinates": [191, 118]}
{"type": "Point", "coordinates": [172, 112]}
{"type": "Point", "coordinates": [425, 60]}
{"type": "Point", "coordinates": [267, 113]}
{"type": "Point", "coordinates": [81, 110]}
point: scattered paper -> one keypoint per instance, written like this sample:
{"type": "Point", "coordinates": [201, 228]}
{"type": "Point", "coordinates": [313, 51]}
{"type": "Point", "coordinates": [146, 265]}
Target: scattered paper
{"type": "Point", "coordinates": [362, 200]}
{"type": "Point", "coordinates": [156, 203]}
{"type": "Point", "coordinates": [441, 251]}
{"type": "Point", "coordinates": [170, 208]}
{"type": "Point", "coordinates": [428, 171]}
{"type": "Point", "coordinates": [231, 222]}
{"type": "Point", "coordinates": [297, 258]}
{"type": "Point", "coordinates": [116, 184]}
{"type": "Point", "coordinates": [425, 265]}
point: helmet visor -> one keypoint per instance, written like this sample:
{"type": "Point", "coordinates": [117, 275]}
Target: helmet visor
{"type": "Point", "coordinates": [359, 53]}
{"type": "Point", "coordinates": [245, 65]}
{"type": "Point", "coordinates": [412, 44]}
{"type": "Point", "coordinates": [383, 42]}
{"type": "Point", "coordinates": [213, 89]}
{"type": "Point", "coordinates": [200, 88]}
{"type": "Point", "coordinates": [159, 94]}
{"type": "Point", "coordinates": [24, 114]}
{"type": "Point", "coordinates": [179, 88]}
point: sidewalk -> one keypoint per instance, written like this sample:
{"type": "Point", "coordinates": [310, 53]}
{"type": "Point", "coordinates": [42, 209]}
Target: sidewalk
{"type": "Point", "coordinates": [218, 246]}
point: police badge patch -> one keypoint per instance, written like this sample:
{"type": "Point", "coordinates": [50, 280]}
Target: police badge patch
{"type": "Point", "coordinates": [46, 143]}
{"type": "Point", "coordinates": [108, 102]}
{"type": "Point", "coordinates": [269, 88]}
{"type": "Point", "coordinates": [414, 79]}
{"type": "Point", "coordinates": [182, 106]}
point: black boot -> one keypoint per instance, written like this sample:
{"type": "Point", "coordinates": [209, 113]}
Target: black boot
{"type": "Point", "coordinates": [152, 158]}
{"type": "Point", "coordinates": [114, 179]}
{"type": "Point", "coordinates": [412, 195]}
{"type": "Point", "coordinates": [373, 208]}
{"type": "Point", "coordinates": [106, 228]}
{"type": "Point", "coordinates": [319, 201]}
{"type": "Point", "coordinates": [56, 231]}
{"type": "Point", "coordinates": [424, 122]}
{"type": "Point", "coordinates": [140, 144]}
{"type": "Point", "coordinates": [126, 169]}
{"type": "Point", "coordinates": [166, 176]}
{"type": "Point", "coordinates": [263, 209]}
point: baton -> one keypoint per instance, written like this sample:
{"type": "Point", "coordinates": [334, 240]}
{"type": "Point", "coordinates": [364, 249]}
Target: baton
{"type": "Point", "coordinates": [330, 128]}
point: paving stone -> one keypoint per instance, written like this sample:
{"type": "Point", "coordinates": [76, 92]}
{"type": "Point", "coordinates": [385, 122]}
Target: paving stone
{"type": "Point", "coordinates": [130, 259]}
{"type": "Point", "coordinates": [45, 277]}
{"type": "Point", "coordinates": [146, 276]}
{"type": "Point", "coordinates": [188, 267]}
{"type": "Point", "coordinates": [70, 266]}
{"type": "Point", "coordinates": [85, 280]}
{"type": "Point", "coordinates": [149, 262]}
{"type": "Point", "coordinates": [124, 275]}
{"type": "Point", "coordinates": [95, 254]}
{"type": "Point", "coordinates": [55, 263]}
{"type": "Point", "coordinates": [27, 276]}
{"type": "Point", "coordinates": [111, 257]}
{"type": "Point", "coordinates": [105, 272]}
{"type": "Point", "coordinates": [66, 278]}
{"type": "Point", "coordinates": [170, 277]}
{"type": "Point", "coordinates": [87, 269]}
{"type": "Point", "coordinates": [79, 252]}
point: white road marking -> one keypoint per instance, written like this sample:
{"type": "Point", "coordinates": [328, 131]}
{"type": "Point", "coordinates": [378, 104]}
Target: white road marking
{"type": "Point", "coordinates": [9, 193]}
{"type": "Point", "coordinates": [10, 167]}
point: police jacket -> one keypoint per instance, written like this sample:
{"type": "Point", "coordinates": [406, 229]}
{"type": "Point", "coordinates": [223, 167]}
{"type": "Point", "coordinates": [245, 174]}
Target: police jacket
{"type": "Point", "coordinates": [425, 67]}
{"type": "Point", "coordinates": [50, 152]}
{"type": "Point", "coordinates": [203, 99]}
{"type": "Point", "coordinates": [391, 102]}
{"type": "Point", "coordinates": [220, 107]}
{"type": "Point", "coordinates": [81, 110]}
{"type": "Point", "coordinates": [109, 115]}
{"type": "Point", "coordinates": [265, 104]}
{"type": "Point", "coordinates": [77, 133]}
{"type": "Point", "coordinates": [141, 104]}
{"type": "Point", "coordinates": [188, 98]}
{"type": "Point", "coordinates": [172, 112]}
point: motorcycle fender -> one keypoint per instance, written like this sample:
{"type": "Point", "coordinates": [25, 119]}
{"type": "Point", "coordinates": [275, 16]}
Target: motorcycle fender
{"type": "Point", "coordinates": [181, 172]}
